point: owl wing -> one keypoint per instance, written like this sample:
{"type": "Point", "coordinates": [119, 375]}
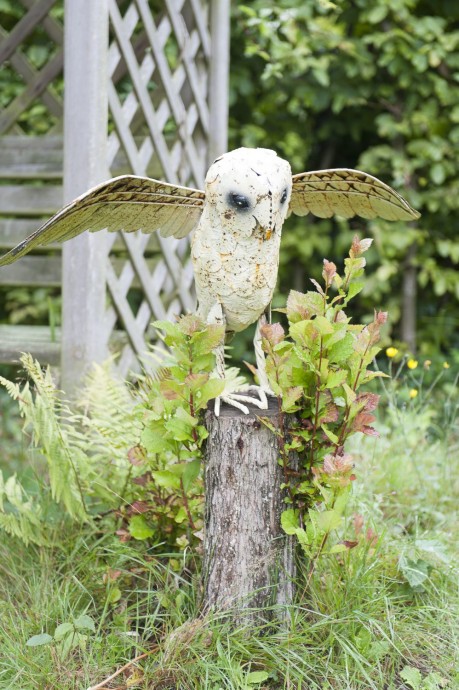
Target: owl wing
{"type": "Point", "coordinates": [347, 193]}
{"type": "Point", "coordinates": [125, 203]}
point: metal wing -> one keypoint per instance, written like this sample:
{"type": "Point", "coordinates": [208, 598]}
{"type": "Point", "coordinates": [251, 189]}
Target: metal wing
{"type": "Point", "coordinates": [347, 193]}
{"type": "Point", "coordinates": [125, 203]}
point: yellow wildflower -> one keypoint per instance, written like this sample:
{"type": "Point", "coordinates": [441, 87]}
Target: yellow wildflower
{"type": "Point", "coordinates": [445, 365]}
{"type": "Point", "coordinates": [412, 363]}
{"type": "Point", "coordinates": [413, 393]}
{"type": "Point", "coordinates": [391, 352]}
{"type": "Point", "coordinates": [427, 364]}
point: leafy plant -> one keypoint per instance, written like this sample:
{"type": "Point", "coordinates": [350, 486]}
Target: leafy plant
{"type": "Point", "coordinates": [414, 679]}
{"type": "Point", "coordinates": [135, 454]}
{"type": "Point", "coordinates": [171, 442]}
{"type": "Point", "coordinates": [318, 369]}
{"type": "Point", "coordinates": [67, 636]}
{"type": "Point", "coordinates": [80, 455]}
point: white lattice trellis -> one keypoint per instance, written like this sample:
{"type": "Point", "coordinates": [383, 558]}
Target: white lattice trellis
{"type": "Point", "coordinates": [145, 67]}
{"type": "Point", "coordinates": [158, 102]}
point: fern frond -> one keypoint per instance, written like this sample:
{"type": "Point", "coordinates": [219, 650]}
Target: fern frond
{"type": "Point", "coordinates": [20, 516]}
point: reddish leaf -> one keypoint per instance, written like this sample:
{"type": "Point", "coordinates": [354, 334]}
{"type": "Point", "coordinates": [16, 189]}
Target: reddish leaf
{"type": "Point", "coordinates": [169, 389]}
{"type": "Point", "coordinates": [111, 575]}
{"type": "Point", "coordinates": [338, 464]}
{"type": "Point", "coordinates": [330, 413]}
{"type": "Point", "coordinates": [329, 272]}
{"type": "Point", "coordinates": [358, 523]}
{"type": "Point", "coordinates": [370, 401]}
{"type": "Point", "coordinates": [123, 534]}
{"type": "Point", "coordinates": [273, 333]}
{"type": "Point", "coordinates": [136, 455]}
{"type": "Point", "coordinates": [191, 323]}
{"type": "Point", "coordinates": [318, 287]}
{"type": "Point", "coordinates": [362, 423]}
{"type": "Point", "coordinates": [359, 246]}
{"type": "Point", "coordinates": [371, 536]}
{"type": "Point", "coordinates": [143, 480]}
{"type": "Point", "coordinates": [349, 544]}
{"type": "Point", "coordinates": [139, 507]}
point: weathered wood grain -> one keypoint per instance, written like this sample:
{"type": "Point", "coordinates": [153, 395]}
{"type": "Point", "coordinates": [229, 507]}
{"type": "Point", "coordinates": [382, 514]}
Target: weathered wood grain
{"type": "Point", "coordinates": [29, 200]}
{"type": "Point", "coordinates": [248, 560]}
{"type": "Point", "coordinates": [40, 341]}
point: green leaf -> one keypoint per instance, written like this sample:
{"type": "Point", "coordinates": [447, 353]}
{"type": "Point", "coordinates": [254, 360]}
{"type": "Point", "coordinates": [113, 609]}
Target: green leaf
{"type": "Point", "coordinates": [303, 538]}
{"type": "Point", "coordinates": [85, 622]}
{"type": "Point", "coordinates": [153, 441]}
{"type": "Point", "coordinates": [190, 473]}
{"type": "Point", "coordinates": [256, 677]}
{"type": "Point", "coordinates": [342, 350]}
{"type": "Point", "coordinates": [38, 640]}
{"type": "Point", "coordinates": [349, 393]}
{"type": "Point", "coordinates": [354, 288]}
{"type": "Point", "coordinates": [170, 331]}
{"type": "Point", "coordinates": [139, 529]}
{"type": "Point", "coordinates": [333, 437]}
{"type": "Point", "coordinates": [207, 340]}
{"type": "Point", "coordinates": [377, 14]}
{"type": "Point", "coordinates": [62, 630]}
{"type": "Point", "coordinates": [181, 515]}
{"type": "Point", "coordinates": [181, 425]}
{"type": "Point", "coordinates": [415, 572]}
{"type": "Point", "coordinates": [305, 333]}
{"type": "Point", "coordinates": [438, 173]}
{"type": "Point", "coordinates": [166, 479]}
{"type": "Point", "coordinates": [68, 643]}
{"type": "Point", "coordinates": [290, 397]}
{"type": "Point", "coordinates": [289, 521]}
{"type": "Point", "coordinates": [301, 307]}
{"type": "Point", "coordinates": [336, 378]}
{"type": "Point", "coordinates": [328, 520]}
{"type": "Point", "coordinates": [114, 595]}
{"type": "Point", "coordinates": [412, 676]}
{"type": "Point", "coordinates": [210, 390]}
{"type": "Point", "coordinates": [323, 325]}
{"type": "Point", "coordinates": [434, 547]}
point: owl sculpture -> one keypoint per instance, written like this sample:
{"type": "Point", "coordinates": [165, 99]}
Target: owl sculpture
{"type": "Point", "coordinates": [237, 223]}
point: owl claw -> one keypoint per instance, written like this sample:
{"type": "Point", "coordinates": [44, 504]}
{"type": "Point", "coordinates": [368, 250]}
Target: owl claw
{"type": "Point", "coordinates": [237, 399]}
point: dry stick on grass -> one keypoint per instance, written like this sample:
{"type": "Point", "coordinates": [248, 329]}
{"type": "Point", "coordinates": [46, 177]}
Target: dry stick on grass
{"type": "Point", "coordinates": [102, 685]}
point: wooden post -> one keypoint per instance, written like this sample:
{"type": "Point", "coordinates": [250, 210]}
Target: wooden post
{"type": "Point", "coordinates": [248, 560]}
{"type": "Point", "coordinates": [219, 78]}
{"type": "Point", "coordinates": [85, 138]}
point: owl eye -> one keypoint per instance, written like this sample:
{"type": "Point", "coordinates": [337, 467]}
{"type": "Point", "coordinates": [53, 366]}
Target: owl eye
{"type": "Point", "coordinates": [284, 196]}
{"type": "Point", "coordinates": [238, 201]}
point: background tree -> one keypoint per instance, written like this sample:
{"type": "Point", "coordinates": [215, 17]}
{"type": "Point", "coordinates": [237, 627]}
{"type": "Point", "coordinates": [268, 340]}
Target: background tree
{"type": "Point", "coordinates": [374, 86]}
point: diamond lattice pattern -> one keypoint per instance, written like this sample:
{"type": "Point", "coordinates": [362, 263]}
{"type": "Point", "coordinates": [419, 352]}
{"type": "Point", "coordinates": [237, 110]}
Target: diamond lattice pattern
{"type": "Point", "coordinates": [32, 58]}
{"type": "Point", "coordinates": [159, 122]}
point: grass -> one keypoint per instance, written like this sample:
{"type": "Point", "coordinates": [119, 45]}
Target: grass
{"type": "Point", "coordinates": [383, 616]}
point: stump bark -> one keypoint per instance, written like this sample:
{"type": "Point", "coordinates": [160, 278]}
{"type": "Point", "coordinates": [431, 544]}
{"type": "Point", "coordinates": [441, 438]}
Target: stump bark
{"type": "Point", "coordinates": [248, 559]}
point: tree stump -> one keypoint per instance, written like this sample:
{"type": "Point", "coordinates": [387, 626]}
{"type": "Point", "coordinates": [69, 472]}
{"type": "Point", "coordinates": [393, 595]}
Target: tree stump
{"type": "Point", "coordinates": [248, 559]}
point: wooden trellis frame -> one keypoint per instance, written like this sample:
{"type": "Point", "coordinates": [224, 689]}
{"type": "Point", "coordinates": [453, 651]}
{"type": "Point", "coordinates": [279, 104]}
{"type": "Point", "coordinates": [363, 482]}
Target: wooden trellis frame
{"type": "Point", "coordinates": [159, 78]}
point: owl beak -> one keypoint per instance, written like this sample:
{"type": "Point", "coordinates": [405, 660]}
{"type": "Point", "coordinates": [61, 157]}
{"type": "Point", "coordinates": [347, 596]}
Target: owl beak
{"type": "Point", "coordinates": [264, 231]}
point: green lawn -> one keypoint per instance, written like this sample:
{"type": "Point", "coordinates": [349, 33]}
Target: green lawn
{"type": "Point", "coordinates": [385, 615]}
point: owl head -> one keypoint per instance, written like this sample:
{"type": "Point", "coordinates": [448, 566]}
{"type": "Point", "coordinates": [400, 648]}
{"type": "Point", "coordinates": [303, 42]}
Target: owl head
{"type": "Point", "coordinates": [249, 190]}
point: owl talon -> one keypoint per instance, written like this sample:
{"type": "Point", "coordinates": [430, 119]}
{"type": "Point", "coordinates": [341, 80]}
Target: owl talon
{"type": "Point", "coordinates": [237, 399]}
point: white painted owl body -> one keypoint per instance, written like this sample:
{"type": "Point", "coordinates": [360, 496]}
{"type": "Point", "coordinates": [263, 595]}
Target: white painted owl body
{"type": "Point", "coordinates": [235, 247]}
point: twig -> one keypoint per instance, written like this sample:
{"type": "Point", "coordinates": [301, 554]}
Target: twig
{"type": "Point", "coordinates": [102, 685]}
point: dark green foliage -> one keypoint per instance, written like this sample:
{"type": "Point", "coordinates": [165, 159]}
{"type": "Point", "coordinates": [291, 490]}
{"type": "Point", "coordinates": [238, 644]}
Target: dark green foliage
{"type": "Point", "coordinates": [368, 85]}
